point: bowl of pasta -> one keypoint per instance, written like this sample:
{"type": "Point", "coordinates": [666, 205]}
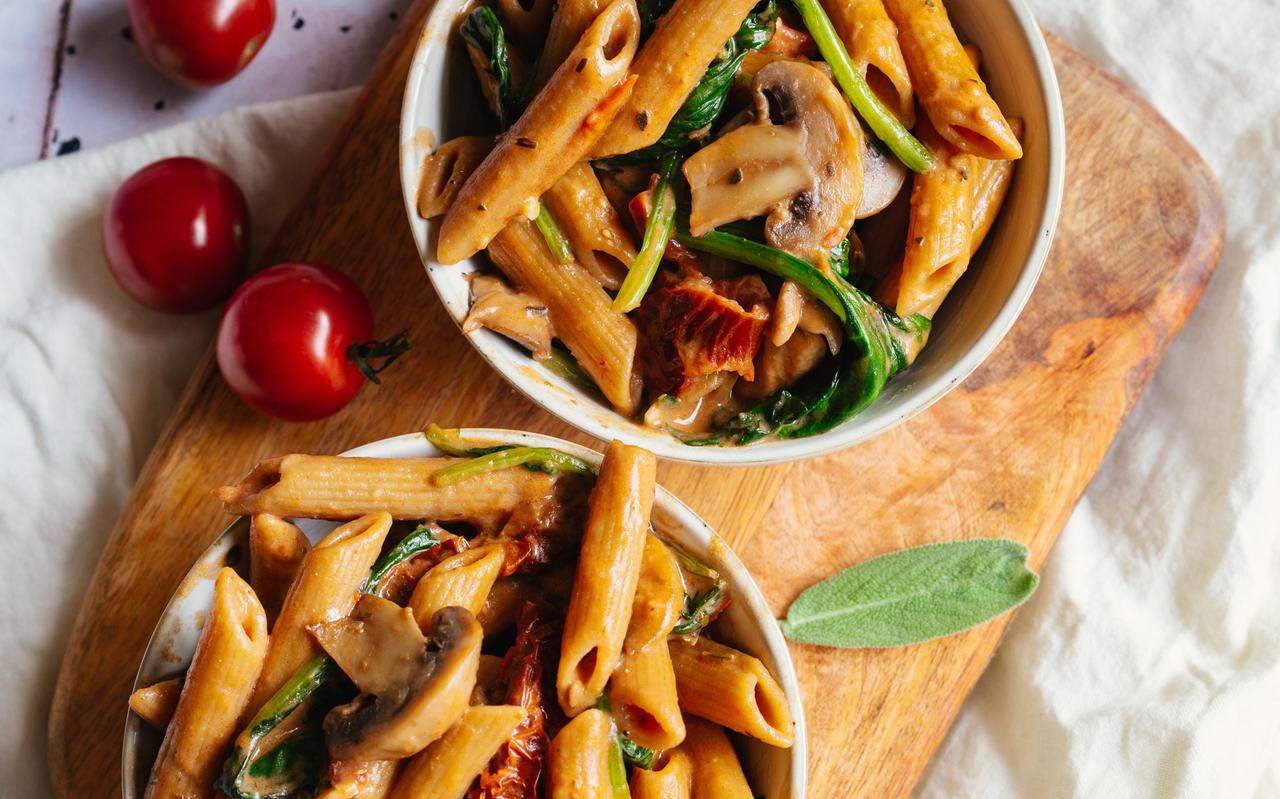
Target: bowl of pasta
{"type": "Point", "coordinates": [464, 613]}
{"type": "Point", "coordinates": [725, 230]}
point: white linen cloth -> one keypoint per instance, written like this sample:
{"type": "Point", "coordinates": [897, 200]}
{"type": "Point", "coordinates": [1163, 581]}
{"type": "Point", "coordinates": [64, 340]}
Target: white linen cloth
{"type": "Point", "coordinates": [1148, 665]}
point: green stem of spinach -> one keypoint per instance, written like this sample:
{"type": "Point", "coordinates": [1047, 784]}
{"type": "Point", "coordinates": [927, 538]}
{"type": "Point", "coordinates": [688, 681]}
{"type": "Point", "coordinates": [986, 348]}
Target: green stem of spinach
{"type": "Point", "coordinates": [557, 242]}
{"type": "Point", "coordinates": [540, 458]}
{"type": "Point", "coordinates": [914, 155]}
{"type": "Point", "coordinates": [657, 233]}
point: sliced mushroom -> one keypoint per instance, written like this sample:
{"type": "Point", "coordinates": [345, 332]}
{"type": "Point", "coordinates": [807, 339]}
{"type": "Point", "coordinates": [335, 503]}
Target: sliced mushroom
{"type": "Point", "coordinates": [744, 173]}
{"type": "Point", "coordinates": [796, 310]}
{"type": "Point", "coordinates": [883, 177]}
{"type": "Point", "coordinates": [779, 367]}
{"type": "Point", "coordinates": [412, 687]}
{"type": "Point", "coordinates": [517, 315]}
{"type": "Point", "coordinates": [800, 96]}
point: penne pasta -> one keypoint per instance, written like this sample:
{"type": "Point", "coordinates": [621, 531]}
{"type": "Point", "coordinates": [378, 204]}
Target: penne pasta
{"type": "Point", "coordinates": [552, 135]}
{"type": "Point", "coordinates": [731, 688]}
{"type": "Point", "coordinates": [322, 487]}
{"type": "Point", "coordinates": [463, 580]}
{"type": "Point", "coordinates": [371, 779]}
{"type": "Point", "coordinates": [526, 19]}
{"type": "Point", "coordinates": [989, 190]}
{"type": "Point", "coordinates": [155, 703]}
{"type": "Point", "coordinates": [215, 695]}
{"type": "Point", "coordinates": [446, 768]}
{"type": "Point", "coordinates": [578, 759]}
{"type": "Point", "coordinates": [717, 773]}
{"type": "Point", "coordinates": [673, 59]}
{"type": "Point", "coordinates": [569, 21]}
{"type": "Point", "coordinates": [946, 82]}
{"type": "Point", "coordinates": [602, 340]}
{"type": "Point", "coordinates": [659, 596]}
{"type": "Point", "coordinates": [872, 40]}
{"type": "Point", "coordinates": [446, 170]}
{"type": "Point", "coordinates": [276, 550]}
{"type": "Point", "coordinates": [604, 586]}
{"type": "Point", "coordinates": [600, 242]}
{"type": "Point", "coordinates": [642, 693]}
{"type": "Point", "coordinates": [326, 589]}
{"type": "Point", "coordinates": [672, 781]}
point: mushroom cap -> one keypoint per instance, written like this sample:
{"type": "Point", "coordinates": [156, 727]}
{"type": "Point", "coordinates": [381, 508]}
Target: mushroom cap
{"type": "Point", "coordinates": [794, 93]}
{"type": "Point", "coordinates": [420, 688]}
{"type": "Point", "coordinates": [883, 176]}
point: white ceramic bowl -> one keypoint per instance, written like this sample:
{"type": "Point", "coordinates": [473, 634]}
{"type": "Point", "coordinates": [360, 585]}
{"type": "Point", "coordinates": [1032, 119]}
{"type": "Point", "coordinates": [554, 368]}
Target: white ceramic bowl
{"type": "Point", "coordinates": [747, 623]}
{"type": "Point", "coordinates": [441, 102]}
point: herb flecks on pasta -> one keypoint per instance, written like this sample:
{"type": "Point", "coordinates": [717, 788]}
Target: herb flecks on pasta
{"type": "Point", "coordinates": [697, 242]}
{"type": "Point", "coordinates": [559, 648]}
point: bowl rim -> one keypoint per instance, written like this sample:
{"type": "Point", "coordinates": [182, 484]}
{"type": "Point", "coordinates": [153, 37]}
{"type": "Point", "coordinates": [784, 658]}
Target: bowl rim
{"type": "Point", "coordinates": [690, 526]}
{"type": "Point", "coordinates": [536, 386]}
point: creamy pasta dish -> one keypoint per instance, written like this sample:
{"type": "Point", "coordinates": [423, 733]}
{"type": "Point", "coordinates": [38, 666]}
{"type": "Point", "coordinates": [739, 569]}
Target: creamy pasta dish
{"type": "Point", "coordinates": [733, 219]}
{"type": "Point", "coordinates": [495, 623]}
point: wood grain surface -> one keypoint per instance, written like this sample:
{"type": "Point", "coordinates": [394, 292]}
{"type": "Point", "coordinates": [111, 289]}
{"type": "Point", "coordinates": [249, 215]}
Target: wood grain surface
{"type": "Point", "coordinates": [1007, 453]}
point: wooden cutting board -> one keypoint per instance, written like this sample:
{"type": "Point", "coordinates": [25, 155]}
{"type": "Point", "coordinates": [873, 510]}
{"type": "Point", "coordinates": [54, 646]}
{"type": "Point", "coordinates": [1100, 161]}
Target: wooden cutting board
{"type": "Point", "coordinates": [1007, 453]}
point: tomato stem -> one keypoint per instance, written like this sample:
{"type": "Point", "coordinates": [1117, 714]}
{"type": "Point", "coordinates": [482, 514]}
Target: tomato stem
{"type": "Point", "coordinates": [363, 353]}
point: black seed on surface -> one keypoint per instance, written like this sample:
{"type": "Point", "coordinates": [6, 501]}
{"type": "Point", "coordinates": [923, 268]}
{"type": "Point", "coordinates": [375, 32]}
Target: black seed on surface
{"type": "Point", "coordinates": [158, 104]}
{"type": "Point", "coordinates": [71, 49]}
{"type": "Point", "coordinates": [735, 177]}
{"type": "Point", "coordinates": [298, 23]}
{"type": "Point", "coordinates": [344, 28]}
{"type": "Point", "coordinates": [642, 120]}
{"type": "Point", "coordinates": [393, 16]}
{"type": "Point", "coordinates": [126, 33]}
{"type": "Point", "coordinates": [527, 143]}
{"type": "Point", "coordinates": [581, 65]}
{"type": "Point", "coordinates": [69, 146]}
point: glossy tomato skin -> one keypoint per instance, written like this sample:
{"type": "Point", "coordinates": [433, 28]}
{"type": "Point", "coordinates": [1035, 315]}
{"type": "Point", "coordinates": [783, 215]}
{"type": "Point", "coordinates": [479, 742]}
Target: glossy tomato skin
{"type": "Point", "coordinates": [176, 235]}
{"type": "Point", "coordinates": [283, 340]}
{"type": "Point", "coordinates": [201, 42]}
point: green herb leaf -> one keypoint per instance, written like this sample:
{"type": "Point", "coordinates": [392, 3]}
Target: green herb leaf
{"type": "Point", "coordinates": [913, 595]}
{"type": "Point", "coordinates": [482, 32]}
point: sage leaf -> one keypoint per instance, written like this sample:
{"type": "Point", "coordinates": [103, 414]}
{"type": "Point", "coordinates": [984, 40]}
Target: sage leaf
{"type": "Point", "coordinates": [913, 595]}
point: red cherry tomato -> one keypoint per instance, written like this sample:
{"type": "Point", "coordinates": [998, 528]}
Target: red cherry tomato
{"type": "Point", "coordinates": [176, 235]}
{"type": "Point", "coordinates": [201, 42]}
{"type": "Point", "coordinates": [284, 338]}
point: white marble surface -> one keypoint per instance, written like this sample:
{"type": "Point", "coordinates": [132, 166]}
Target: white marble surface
{"type": "Point", "coordinates": [70, 76]}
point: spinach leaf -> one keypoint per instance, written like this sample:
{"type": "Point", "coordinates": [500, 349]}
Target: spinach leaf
{"type": "Point", "coordinates": [709, 95]}
{"type": "Point", "coordinates": [876, 350]}
{"type": "Point", "coordinates": [487, 44]}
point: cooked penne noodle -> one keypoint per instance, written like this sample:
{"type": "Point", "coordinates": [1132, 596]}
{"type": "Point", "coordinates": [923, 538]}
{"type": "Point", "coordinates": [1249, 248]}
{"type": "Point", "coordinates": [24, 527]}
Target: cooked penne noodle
{"type": "Point", "coordinates": [276, 550]}
{"type": "Point", "coordinates": [215, 695]}
{"type": "Point", "coordinates": [989, 191]}
{"type": "Point", "coordinates": [502, 606]}
{"type": "Point", "coordinates": [600, 242]}
{"type": "Point", "coordinates": [946, 82]}
{"type": "Point", "coordinates": [642, 692]}
{"type": "Point", "coordinates": [463, 580]}
{"type": "Point", "coordinates": [604, 586]}
{"type": "Point", "coordinates": [940, 229]}
{"type": "Point", "coordinates": [371, 779]}
{"type": "Point", "coordinates": [552, 135]}
{"type": "Point", "coordinates": [446, 768]}
{"type": "Point", "coordinates": [672, 781]}
{"type": "Point", "coordinates": [602, 340]}
{"type": "Point", "coordinates": [673, 59]}
{"type": "Point", "coordinates": [872, 40]}
{"type": "Point", "coordinates": [659, 596]}
{"type": "Point", "coordinates": [446, 170]}
{"type": "Point", "coordinates": [717, 774]}
{"type": "Point", "coordinates": [731, 688]}
{"type": "Point", "coordinates": [578, 759]}
{"type": "Point", "coordinates": [527, 19]}
{"type": "Point", "coordinates": [155, 703]}
{"type": "Point", "coordinates": [323, 487]}
{"type": "Point", "coordinates": [326, 589]}
{"type": "Point", "coordinates": [569, 21]}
